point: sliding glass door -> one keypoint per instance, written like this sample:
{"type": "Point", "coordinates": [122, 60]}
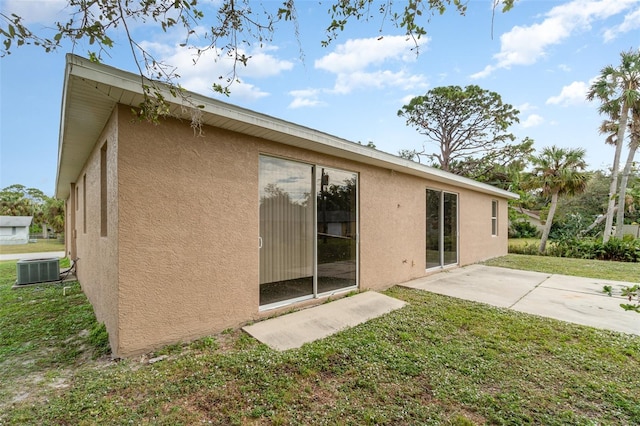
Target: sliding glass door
{"type": "Point", "coordinates": [286, 230]}
{"type": "Point", "coordinates": [442, 228]}
{"type": "Point", "coordinates": [336, 230]}
{"type": "Point", "coordinates": [308, 229]}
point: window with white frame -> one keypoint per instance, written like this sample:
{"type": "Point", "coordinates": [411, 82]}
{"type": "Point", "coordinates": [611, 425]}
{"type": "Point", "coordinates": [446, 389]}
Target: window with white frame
{"type": "Point", "coordinates": [494, 217]}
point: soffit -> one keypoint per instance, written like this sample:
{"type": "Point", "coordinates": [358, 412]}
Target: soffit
{"type": "Point", "coordinates": [92, 90]}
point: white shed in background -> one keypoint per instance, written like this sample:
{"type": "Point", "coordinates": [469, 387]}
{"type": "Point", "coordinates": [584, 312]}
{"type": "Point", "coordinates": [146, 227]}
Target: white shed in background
{"type": "Point", "coordinates": [14, 229]}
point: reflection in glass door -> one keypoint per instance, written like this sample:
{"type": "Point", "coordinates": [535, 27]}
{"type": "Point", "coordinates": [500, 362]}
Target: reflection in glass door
{"type": "Point", "coordinates": [442, 228]}
{"type": "Point", "coordinates": [308, 231]}
{"type": "Point", "coordinates": [336, 229]}
{"type": "Point", "coordinates": [286, 230]}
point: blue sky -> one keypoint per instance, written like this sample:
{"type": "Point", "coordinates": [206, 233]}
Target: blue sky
{"type": "Point", "coordinates": [541, 59]}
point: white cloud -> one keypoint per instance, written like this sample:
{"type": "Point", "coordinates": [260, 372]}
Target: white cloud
{"type": "Point", "coordinates": [532, 120]}
{"type": "Point", "coordinates": [573, 94]}
{"type": "Point", "coordinates": [526, 107]}
{"type": "Point", "coordinates": [525, 45]}
{"type": "Point", "coordinates": [160, 49]}
{"type": "Point", "coordinates": [305, 98]}
{"type": "Point", "coordinates": [372, 63]}
{"type": "Point", "coordinates": [305, 103]}
{"type": "Point", "coordinates": [198, 74]}
{"type": "Point", "coordinates": [346, 83]}
{"type": "Point", "coordinates": [359, 54]}
{"type": "Point", "coordinates": [631, 22]}
{"type": "Point", "coordinates": [564, 67]}
{"type": "Point", "coordinates": [484, 73]}
{"type": "Point", "coordinates": [263, 65]}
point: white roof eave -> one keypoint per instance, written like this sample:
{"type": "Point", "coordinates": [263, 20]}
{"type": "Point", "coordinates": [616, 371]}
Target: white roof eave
{"type": "Point", "coordinates": [99, 88]}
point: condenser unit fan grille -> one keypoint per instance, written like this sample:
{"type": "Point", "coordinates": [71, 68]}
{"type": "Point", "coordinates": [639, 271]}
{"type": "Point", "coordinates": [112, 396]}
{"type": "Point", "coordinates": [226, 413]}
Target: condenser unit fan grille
{"type": "Point", "coordinates": [37, 271]}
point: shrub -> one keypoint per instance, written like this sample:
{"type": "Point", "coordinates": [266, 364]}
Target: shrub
{"type": "Point", "coordinates": [522, 229]}
{"type": "Point", "coordinates": [524, 248]}
{"type": "Point", "coordinates": [620, 250]}
{"type": "Point", "coordinates": [568, 227]}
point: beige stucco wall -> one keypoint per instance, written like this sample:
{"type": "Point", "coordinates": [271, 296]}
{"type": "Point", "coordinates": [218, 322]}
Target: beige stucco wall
{"type": "Point", "coordinates": [189, 226]}
{"type": "Point", "coordinates": [184, 213]}
{"type": "Point", "coordinates": [97, 267]}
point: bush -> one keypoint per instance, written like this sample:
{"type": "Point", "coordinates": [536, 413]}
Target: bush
{"type": "Point", "coordinates": [620, 250]}
{"type": "Point", "coordinates": [524, 248]}
{"type": "Point", "coordinates": [523, 229]}
{"type": "Point", "coordinates": [567, 227]}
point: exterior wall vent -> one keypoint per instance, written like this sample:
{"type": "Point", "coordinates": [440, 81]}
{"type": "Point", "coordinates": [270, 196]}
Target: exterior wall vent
{"type": "Point", "coordinates": [37, 270]}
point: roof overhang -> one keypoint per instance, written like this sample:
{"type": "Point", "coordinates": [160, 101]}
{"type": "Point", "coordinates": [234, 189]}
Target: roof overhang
{"type": "Point", "coordinates": [91, 92]}
{"type": "Point", "coordinates": [17, 221]}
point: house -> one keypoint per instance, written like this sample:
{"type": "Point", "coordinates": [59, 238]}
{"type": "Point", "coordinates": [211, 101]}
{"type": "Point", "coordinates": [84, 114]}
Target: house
{"type": "Point", "coordinates": [530, 216]}
{"type": "Point", "coordinates": [180, 235]}
{"type": "Point", "coordinates": [14, 230]}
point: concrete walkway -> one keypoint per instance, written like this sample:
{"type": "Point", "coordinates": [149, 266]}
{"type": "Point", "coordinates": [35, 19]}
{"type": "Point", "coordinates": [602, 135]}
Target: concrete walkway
{"type": "Point", "coordinates": [566, 298]}
{"type": "Point", "coordinates": [31, 256]}
{"type": "Point", "coordinates": [295, 329]}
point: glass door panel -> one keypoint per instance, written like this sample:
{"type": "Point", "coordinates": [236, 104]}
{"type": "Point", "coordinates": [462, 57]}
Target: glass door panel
{"type": "Point", "coordinates": [336, 229]}
{"type": "Point", "coordinates": [286, 230]}
{"type": "Point", "coordinates": [433, 228]}
{"type": "Point", "coordinates": [450, 229]}
{"type": "Point", "coordinates": [442, 228]}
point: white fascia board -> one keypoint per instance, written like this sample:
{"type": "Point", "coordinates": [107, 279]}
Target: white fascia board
{"type": "Point", "coordinates": [59, 192]}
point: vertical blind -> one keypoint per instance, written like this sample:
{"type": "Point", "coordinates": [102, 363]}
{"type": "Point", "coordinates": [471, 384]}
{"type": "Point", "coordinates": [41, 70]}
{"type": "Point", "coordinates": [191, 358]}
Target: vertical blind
{"type": "Point", "coordinates": [286, 220]}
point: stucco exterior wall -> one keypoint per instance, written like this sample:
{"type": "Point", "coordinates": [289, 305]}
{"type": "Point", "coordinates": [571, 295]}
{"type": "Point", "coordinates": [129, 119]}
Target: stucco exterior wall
{"type": "Point", "coordinates": [188, 225]}
{"type": "Point", "coordinates": [97, 267]}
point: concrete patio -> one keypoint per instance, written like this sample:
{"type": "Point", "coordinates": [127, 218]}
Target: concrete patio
{"type": "Point", "coordinates": [566, 298]}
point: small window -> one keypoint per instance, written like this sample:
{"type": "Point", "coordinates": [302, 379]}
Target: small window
{"type": "Point", "coordinates": [494, 217]}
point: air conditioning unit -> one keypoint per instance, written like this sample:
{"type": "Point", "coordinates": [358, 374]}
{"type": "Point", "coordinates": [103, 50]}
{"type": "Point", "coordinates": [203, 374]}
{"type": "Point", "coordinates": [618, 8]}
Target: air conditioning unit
{"type": "Point", "coordinates": [38, 270]}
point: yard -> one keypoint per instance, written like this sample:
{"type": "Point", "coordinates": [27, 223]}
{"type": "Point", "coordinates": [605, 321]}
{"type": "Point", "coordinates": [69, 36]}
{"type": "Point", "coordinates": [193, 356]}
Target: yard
{"type": "Point", "coordinates": [436, 361]}
{"type": "Point", "coordinates": [37, 247]}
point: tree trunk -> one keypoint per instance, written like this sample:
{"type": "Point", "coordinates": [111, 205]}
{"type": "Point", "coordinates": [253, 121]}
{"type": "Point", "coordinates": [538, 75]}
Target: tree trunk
{"type": "Point", "coordinates": [547, 224]}
{"type": "Point", "coordinates": [614, 172]}
{"type": "Point", "coordinates": [623, 187]}
{"type": "Point", "coordinates": [596, 222]}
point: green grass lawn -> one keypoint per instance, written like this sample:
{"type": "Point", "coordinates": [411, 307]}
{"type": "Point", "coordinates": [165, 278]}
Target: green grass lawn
{"type": "Point", "coordinates": [437, 361]}
{"type": "Point", "coordinates": [601, 269]}
{"type": "Point", "coordinates": [40, 246]}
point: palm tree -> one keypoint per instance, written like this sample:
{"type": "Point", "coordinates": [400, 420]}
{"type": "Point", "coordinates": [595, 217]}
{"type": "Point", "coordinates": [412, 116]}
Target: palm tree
{"type": "Point", "coordinates": [634, 141]}
{"type": "Point", "coordinates": [617, 89]}
{"type": "Point", "coordinates": [556, 171]}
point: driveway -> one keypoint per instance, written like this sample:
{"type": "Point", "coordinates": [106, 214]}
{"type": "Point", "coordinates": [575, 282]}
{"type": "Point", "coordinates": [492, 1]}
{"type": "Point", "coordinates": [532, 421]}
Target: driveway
{"type": "Point", "coordinates": [566, 298]}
